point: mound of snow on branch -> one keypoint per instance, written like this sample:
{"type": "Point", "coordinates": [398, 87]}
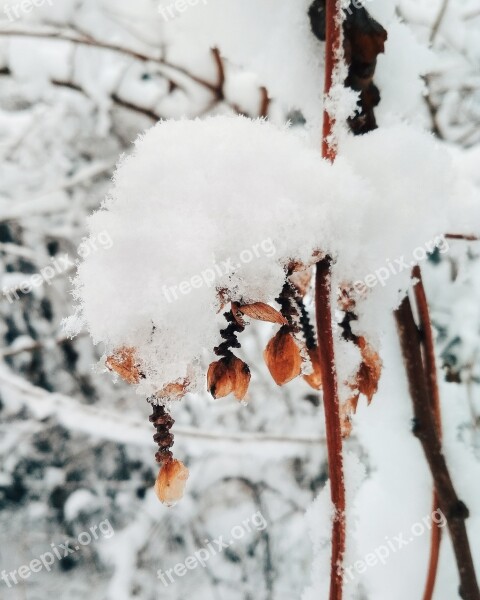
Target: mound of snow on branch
{"type": "Point", "coordinates": [213, 210]}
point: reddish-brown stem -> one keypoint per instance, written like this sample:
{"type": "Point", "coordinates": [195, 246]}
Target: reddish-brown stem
{"type": "Point", "coordinates": [461, 236]}
{"type": "Point", "coordinates": [333, 41]}
{"type": "Point", "coordinates": [425, 429]}
{"type": "Point", "coordinates": [325, 332]}
{"type": "Point", "coordinates": [430, 368]}
{"type": "Point", "coordinates": [332, 421]}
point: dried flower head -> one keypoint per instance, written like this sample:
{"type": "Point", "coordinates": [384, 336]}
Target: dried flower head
{"type": "Point", "coordinates": [227, 375]}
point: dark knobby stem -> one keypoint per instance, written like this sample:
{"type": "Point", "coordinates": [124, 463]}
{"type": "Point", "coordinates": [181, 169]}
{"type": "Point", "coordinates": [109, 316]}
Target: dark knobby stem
{"type": "Point", "coordinates": [332, 422]}
{"type": "Point", "coordinates": [430, 368]}
{"type": "Point", "coordinates": [425, 429]}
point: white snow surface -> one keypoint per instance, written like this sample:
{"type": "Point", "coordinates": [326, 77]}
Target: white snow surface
{"type": "Point", "coordinates": [193, 195]}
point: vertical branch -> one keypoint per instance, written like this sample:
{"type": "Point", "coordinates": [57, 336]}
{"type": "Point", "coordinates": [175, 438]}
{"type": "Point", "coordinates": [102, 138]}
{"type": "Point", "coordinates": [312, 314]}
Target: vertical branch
{"type": "Point", "coordinates": [333, 41]}
{"type": "Point", "coordinates": [430, 369]}
{"type": "Point", "coordinates": [332, 421]}
{"type": "Point", "coordinates": [425, 429]}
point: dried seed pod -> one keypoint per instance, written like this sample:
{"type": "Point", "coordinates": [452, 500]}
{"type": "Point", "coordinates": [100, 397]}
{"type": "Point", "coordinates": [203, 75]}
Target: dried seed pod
{"type": "Point", "coordinates": [125, 364]}
{"type": "Point", "coordinates": [314, 379]}
{"type": "Point", "coordinates": [171, 481]}
{"type": "Point", "coordinates": [162, 422]}
{"type": "Point", "coordinates": [262, 312]}
{"type": "Point", "coordinates": [227, 375]}
{"type": "Point", "coordinates": [282, 356]}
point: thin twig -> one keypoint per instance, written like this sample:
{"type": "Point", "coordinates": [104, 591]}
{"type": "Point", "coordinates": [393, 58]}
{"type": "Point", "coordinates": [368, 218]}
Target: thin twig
{"type": "Point", "coordinates": [461, 236]}
{"type": "Point", "coordinates": [425, 429]}
{"type": "Point", "coordinates": [430, 368]}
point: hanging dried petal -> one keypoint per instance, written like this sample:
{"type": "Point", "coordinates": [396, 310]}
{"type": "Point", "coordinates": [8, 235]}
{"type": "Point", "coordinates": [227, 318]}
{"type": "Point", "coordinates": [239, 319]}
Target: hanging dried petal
{"type": "Point", "coordinates": [171, 482]}
{"type": "Point", "coordinates": [346, 411]}
{"type": "Point", "coordinates": [301, 281]}
{"type": "Point", "coordinates": [177, 389]}
{"type": "Point", "coordinates": [125, 364]}
{"type": "Point", "coordinates": [370, 370]}
{"type": "Point", "coordinates": [237, 315]}
{"type": "Point", "coordinates": [227, 375]}
{"type": "Point", "coordinates": [283, 357]}
{"type": "Point", "coordinates": [263, 312]}
{"type": "Point", "coordinates": [314, 379]}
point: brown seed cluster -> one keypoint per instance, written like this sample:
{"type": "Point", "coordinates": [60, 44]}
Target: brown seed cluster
{"type": "Point", "coordinates": [163, 422]}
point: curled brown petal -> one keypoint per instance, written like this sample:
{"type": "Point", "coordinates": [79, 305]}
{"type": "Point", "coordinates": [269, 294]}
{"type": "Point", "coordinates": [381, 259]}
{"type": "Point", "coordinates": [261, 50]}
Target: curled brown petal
{"type": "Point", "coordinates": [283, 358]}
{"type": "Point", "coordinates": [314, 379]}
{"type": "Point", "coordinates": [171, 481]}
{"type": "Point", "coordinates": [125, 364]}
{"type": "Point", "coordinates": [262, 312]}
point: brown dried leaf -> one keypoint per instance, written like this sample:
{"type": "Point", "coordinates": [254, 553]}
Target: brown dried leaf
{"type": "Point", "coordinates": [171, 482]}
{"type": "Point", "coordinates": [314, 379]}
{"type": "Point", "coordinates": [227, 375]}
{"type": "Point", "coordinates": [370, 370]}
{"type": "Point", "coordinates": [283, 357]}
{"type": "Point", "coordinates": [346, 411]}
{"type": "Point", "coordinates": [301, 281]}
{"type": "Point", "coordinates": [263, 312]}
{"type": "Point", "coordinates": [125, 364]}
{"type": "Point", "coordinates": [176, 389]}
{"type": "Point", "coordinates": [237, 315]}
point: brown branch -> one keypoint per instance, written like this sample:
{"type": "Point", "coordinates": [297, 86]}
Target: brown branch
{"type": "Point", "coordinates": [332, 422]}
{"type": "Point", "coordinates": [425, 429]}
{"type": "Point", "coordinates": [323, 311]}
{"type": "Point", "coordinates": [217, 89]}
{"type": "Point", "coordinates": [264, 103]}
{"type": "Point", "coordinates": [333, 42]}
{"type": "Point", "coordinates": [461, 236]}
{"type": "Point", "coordinates": [94, 43]}
{"type": "Point", "coordinates": [430, 369]}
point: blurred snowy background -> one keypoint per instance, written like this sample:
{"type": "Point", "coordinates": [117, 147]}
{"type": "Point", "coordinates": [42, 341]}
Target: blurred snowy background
{"type": "Point", "coordinates": [80, 79]}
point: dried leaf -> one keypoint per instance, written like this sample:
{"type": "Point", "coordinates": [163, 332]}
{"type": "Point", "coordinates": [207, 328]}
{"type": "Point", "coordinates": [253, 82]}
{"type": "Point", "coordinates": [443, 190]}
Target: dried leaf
{"type": "Point", "coordinates": [227, 375]}
{"type": "Point", "coordinates": [314, 379]}
{"type": "Point", "coordinates": [283, 357]}
{"type": "Point", "coordinates": [301, 281]}
{"type": "Point", "coordinates": [262, 312]}
{"type": "Point", "coordinates": [171, 482]}
{"type": "Point", "coordinates": [237, 315]}
{"type": "Point", "coordinates": [125, 364]}
{"type": "Point", "coordinates": [346, 411]}
{"type": "Point", "coordinates": [370, 370]}
{"type": "Point", "coordinates": [176, 389]}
